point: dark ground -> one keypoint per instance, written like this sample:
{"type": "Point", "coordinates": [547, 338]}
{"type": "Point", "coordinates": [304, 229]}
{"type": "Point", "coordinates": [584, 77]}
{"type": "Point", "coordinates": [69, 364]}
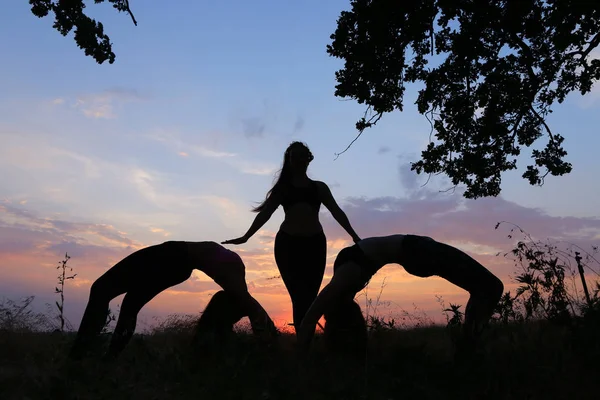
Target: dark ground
{"type": "Point", "coordinates": [527, 361]}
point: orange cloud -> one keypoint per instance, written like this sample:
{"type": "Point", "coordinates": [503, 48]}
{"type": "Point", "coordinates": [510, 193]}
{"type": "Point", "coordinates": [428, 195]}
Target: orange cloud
{"type": "Point", "coordinates": [31, 247]}
{"type": "Point", "coordinates": [161, 231]}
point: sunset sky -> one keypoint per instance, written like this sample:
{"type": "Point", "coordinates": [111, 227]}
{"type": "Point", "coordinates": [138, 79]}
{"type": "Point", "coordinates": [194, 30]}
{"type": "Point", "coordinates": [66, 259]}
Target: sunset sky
{"type": "Point", "coordinates": [183, 134]}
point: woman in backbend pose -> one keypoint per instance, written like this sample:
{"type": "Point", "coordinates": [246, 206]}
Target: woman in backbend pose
{"type": "Point", "coordinates": [419, 255]}
{"type": "Point", "coordinates": [300, 244]}
{"type": "Point", "coordinates": [147, 272]}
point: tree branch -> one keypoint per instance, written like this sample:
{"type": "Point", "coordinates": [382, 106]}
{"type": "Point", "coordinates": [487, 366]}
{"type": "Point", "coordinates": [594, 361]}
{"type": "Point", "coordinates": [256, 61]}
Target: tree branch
{"type": "Point", "coordinates": [431, 35]}
{"type": "Point", "coordinates": [453, 188]}
{"type": "Point", "coordinates": [430, 133]}
{"type": "Point", "coordinates": [529, 55]}
{"type": "Point", "coordinates": [536, 85]}
{"type": "Point", "coordinates": [377, 117]}
{"type": "Point", "coordinates": [592, 44]}
{"type": "Point", "coordinates": [346, 149]}
{"type": "Point", "coordinates": [542, 121]}
{"type": "Point", "coordinates": [128, 10]}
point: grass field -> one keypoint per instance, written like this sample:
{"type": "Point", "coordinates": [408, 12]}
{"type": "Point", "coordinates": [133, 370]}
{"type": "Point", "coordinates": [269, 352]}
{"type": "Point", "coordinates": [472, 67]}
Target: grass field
{"type": "Point", "coordinates": [520, 361]}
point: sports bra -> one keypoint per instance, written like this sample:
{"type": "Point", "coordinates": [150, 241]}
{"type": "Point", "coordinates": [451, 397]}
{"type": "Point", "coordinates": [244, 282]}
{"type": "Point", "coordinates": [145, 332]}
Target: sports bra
{"type": "Point", "coordinates": [306, 194]}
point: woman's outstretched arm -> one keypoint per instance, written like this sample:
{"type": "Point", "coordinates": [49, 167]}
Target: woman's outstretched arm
{"type": "Point", "coordinates": [261, 218]}
{"type": "Point", "coordinates": [338, 214]}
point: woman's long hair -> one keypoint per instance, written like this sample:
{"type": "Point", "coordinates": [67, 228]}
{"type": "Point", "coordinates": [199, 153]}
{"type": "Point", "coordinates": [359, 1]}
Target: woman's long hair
{"type": "Point", "coordinates": [284, 176]}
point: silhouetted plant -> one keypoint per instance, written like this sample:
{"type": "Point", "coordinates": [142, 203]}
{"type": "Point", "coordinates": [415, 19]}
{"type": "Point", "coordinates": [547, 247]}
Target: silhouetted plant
{"type": "Point", "coordinates": [591, 309]}
{"type": "Point", "coordinates": [457, 315]}
{"type": "Point", "coordinates": [110, 317]}
{"type": "Point", "coordinates": [415, 319]}
{"type": "Point", "coordinates": [374, 321]}
{"type": "Point", "coordinates": [583, 282]}
{"type": "Point", "coordinates": [62, 278]}
{"type": "Point", "coordinates": [173, 323]}
{"type": "Point", "coordinates": [18, 316]}
{"type": "Point", "coordinates": [506, 310]}
{"type": "Point", "coordinates": [543, 292]}
{"type": "Point", "coordinates": [454, 317]}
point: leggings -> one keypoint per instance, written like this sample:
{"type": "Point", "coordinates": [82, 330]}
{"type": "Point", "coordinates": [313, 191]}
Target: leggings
{"type": "Point", "coordinates": [301, 262]}
{"type": "Point", "coordinates": [142, 275]}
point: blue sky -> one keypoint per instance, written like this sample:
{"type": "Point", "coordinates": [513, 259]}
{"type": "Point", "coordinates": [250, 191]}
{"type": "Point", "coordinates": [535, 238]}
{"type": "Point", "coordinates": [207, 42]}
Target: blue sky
{"type": "Point", "coordinates": [182, 134]}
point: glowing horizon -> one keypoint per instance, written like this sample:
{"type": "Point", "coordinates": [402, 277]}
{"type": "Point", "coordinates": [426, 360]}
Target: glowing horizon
{"type": "Point", "coordinates": [102, 160]}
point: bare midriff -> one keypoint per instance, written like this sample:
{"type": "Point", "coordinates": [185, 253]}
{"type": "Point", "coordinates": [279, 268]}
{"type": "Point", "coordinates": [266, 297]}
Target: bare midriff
{"type": "Point", "coordinates": [301, 219]}
{"type": "Point", "coordinates": [383, 249]}
{"type": "Point", "coordinates": [214, 260]}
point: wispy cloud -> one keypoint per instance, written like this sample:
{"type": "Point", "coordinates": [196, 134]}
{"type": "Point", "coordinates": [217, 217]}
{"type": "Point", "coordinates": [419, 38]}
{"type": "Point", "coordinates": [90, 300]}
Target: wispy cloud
{"type": "Point", "coordinates": [130, 191]}
{"type": "Point", "coordinates": [174, 141]}
{"type": "Point", "coordinates": [256, 168]}
{"type": "Point", "coordinates": [29, 242]}
{"type": "Point", "coordinates": [160, 231]}
{"type": "Point", "coordinates": [299, 124]}
{"type": "Point", "coordinates": [17, 218]}
{"type": "Point", "coordinates": [384, 150]}
{"type": "Point", "coordinates": [103, 105]}
{"type": "Point", "coordinates": [466, 223]}
{"type": "Point", "coordinates": [409, 179]}
{"type": "Point", "coordinates": [253, 127]}
{"type": "Point", "coordinates": [206, 152]}
{"type": "Point", "coordinates": [31, 245]}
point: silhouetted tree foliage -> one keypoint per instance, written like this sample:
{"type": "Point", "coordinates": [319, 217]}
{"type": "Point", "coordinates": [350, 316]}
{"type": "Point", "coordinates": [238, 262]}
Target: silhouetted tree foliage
{"type": "Point", "coordinates": [89, 34]}
{"type": "Point", "coordinates": [502, 65]}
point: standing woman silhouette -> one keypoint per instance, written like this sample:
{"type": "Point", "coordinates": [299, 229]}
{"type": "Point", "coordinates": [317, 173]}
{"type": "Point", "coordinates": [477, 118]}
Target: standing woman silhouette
{"type": "Point", "coordinates": [300, 244]}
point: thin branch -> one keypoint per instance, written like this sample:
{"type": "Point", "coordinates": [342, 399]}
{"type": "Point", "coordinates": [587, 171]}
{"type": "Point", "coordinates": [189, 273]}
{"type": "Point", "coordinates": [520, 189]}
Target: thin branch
{"type": "Point", "coordinates": [128, 10]}
{"type": "Point", "coordinates": [432, 34]}
{"type": "Point", "coordinates": [542, 121]}
{"type": "Point", "coordinates": [430, 133]}
{"type": "Point", "coordinates": [427, 181]}
{"type": "Point", "coordinates": [543, 178]}
{"type": "Point", "coordinates": [346, 149]}
{"type": "Point", "coordinates": [453, 188]}
{"type": "Point", "coordinates": [513, 131]}
{"type": "Point", "coordinates": [587, 254]}
{"type": "Point", "coordinates": [377, 117]}
{"type": "Point", "coordinates": [530, 72]}
{"type": "Point", "coordinates": [430, 122]}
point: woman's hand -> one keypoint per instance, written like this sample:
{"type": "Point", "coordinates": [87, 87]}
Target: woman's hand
{"type": "Point", "coordinates": [240, 240]}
